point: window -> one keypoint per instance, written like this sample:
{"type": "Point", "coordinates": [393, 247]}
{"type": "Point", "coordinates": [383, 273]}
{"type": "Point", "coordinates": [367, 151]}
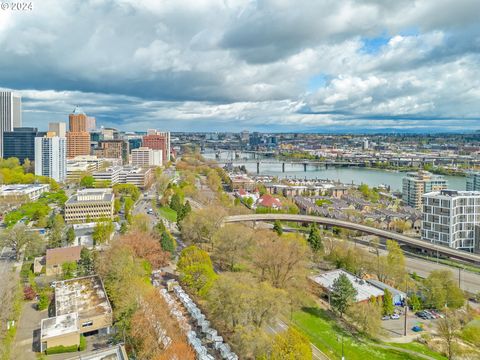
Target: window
{"type": "Point", "coordinates": [87, 324]}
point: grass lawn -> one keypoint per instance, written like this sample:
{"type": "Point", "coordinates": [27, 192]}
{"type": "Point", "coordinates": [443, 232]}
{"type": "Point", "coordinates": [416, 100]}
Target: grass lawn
{"type": "Point", "coordinates": [167, 213]}
{"type": "Point", "coordinates": [420, 348]}
{"type": "Point", "coordinates": [325, 334]}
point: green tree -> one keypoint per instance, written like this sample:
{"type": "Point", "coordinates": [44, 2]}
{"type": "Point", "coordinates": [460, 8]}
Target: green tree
{"type": "Point", "coordinates": [87, 181]}
{"type": "Point", "coordinates": [70, 235]}
{"type": "Point", "coordinates": [448, 330]}
{"type": "Point", "coordinates": [19, 238]}
{"type": "Point", "coordinates": [396, 262]}
{"type": "Point", "coordinates": [86, 263]}
{"type": "Point", "coordinates": [291, 345]}
{"type": "Point", "coordinates": [167, 242]}
{"type": "Point", "coordinates": [342, 294]}
{"type": "Point", "coordinates": [314, 239]}
{"type": "Point", "coordinates": [414, 302]}
{"type": "Point", "coordinates": [123, 227]}
{"type": "Point", "coordinates": [57, 232]}
{"type": "Point", "coordinates": [196, 269]}
{"type": "Point", "coordinates": [102, 231]}
{"type": "Point", "coordinates": [176, 203]}
{"type": "Point", "coordinates": [387, 304]}
{"type": "Point", "coordinates": [69, 270]}
{"type": "Point", "coordinates": [117, 205]}
{"type": "Point", "coordinates": [277, 227]}
{"type": "Point", "coordinates": [367, 316]}
{"type": "Point", "coordinates": [441, 289]}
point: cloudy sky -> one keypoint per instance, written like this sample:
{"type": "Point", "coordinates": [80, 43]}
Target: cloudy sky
{"type": "Point", "coordinates": [268, 65]}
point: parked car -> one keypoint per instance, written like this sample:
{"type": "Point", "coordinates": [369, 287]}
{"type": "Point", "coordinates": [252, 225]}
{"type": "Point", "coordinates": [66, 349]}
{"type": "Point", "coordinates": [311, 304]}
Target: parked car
{"type": "Point", "coordinates": [422, 314]}
{"type": "Point", "coordinates": [386, 317]}
{"type": "Point", "coordinates": [416, 328]}
{"type": "Point", "coordinates": [436, 314]}
{"type": "Point", "coordinates": [395, 316]}
{"type": "Point", "coordinates": [429, 315]}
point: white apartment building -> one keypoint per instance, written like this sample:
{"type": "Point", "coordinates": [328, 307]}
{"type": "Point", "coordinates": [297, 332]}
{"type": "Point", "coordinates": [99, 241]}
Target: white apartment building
{"type": "Point", "coordinates": [10, 114]}
{"type": "Point", "coordinates": [51, 157]}
{"type": "Point", "coordinates": [89, 204]}
{"type": "Point", "coordinates": [146, 157]}
{"type": "Point", "coordinates": [452, 218]}
{"type": "Point", "coordinates": [141, 177]}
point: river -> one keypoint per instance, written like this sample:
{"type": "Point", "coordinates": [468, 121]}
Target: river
{"type": "Point", "coordinates": [357, 175]}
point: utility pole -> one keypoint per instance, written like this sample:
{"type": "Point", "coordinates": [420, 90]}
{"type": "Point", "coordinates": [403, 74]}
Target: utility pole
{"type": "Point", "coordinates": [459, 277]}
{"type": "Point", "coordinates": [406, 308]}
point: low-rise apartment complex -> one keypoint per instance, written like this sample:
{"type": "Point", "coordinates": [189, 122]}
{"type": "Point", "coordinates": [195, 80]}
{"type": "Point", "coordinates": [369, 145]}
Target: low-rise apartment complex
{"type": "Point", "coordinates": [89, 204]}
{"type": "Point", "coordinates": [452, 218]}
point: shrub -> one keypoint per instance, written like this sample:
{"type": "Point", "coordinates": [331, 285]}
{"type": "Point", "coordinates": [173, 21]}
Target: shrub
{"type": "Point", "coordinates": [43, 301]}
{"type": "Point", "coordinates": [61, 349]}
{"type": "Point", "coordinates": [29, 293]}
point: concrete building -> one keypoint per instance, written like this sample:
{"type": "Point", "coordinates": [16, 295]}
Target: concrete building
{"type": "Point", "coordinates": [452, 218]}
{"type": "Point", "coordinates": [55, 258]}
{"type": "Point", "coordinates": [51, 157]}
{"type": "Point", "coordinates": [23, 192]}
{"type": "Point", "coordinates": [20, 143]}
{"type": "Point", "coordinates": [77, 169]}
{"type": "Point", "coordinates": [141, 177]}
{"type": "Point", "coordinates": [146, 157]}
{"type": "Point", "coordinates": [415, 184]}
{"type": "Point", "coordinates": [112, 149]}
{"type": "Point", "coordinates": [473, 181]}
{"type": "Point", "coordinates": [157, 140]}
{"type": "Point", "coordinates": [116, 352]}
{"type": "Point", "coordinates": [10, 114]}
{"type": "Point", "coordinates": [81, 306]}
{"type": "Point", "coordinates": [89, 204]}
{"type": "Point", "coordinates": [59, 128]}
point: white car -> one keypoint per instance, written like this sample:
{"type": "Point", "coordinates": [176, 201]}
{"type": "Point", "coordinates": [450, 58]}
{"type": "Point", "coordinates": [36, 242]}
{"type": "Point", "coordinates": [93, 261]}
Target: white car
{"type": "Point", "coordinates": [395, 317]}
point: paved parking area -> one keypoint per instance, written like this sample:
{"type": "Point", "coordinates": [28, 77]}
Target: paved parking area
{"type": "Point", "coordinates": [395, 328]}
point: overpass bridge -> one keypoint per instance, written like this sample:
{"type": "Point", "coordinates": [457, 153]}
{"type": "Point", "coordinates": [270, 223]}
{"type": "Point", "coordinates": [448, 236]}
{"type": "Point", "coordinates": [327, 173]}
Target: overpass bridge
{"type": "Point", "coordinates": [402, 239]}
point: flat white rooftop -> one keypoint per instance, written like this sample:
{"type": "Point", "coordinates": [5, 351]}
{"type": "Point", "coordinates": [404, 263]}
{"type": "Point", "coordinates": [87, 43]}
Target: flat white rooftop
{"type": "Point", "coordinates": [364, 290]}
{"type": "Point", "coordinates": [59, 325]}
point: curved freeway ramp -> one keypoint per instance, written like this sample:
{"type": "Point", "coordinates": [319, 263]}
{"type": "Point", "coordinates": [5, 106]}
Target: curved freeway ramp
{"type": "Point", "coordinates": [452, 253]}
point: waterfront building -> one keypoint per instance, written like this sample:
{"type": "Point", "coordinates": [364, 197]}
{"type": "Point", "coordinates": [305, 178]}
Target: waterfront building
{"type": "Point", "coordinates": [51, 157]}
{"type": "Point", "coordinates": [59, 128]}
{"type": "Point", "coordinates": [452, 218]}
{"type": "Point", "coordinates": [146, 157]}
{"type": "Point", "coordinates": [157, 140]}
{"type": "Point", "coordinates": [20, 143]}
{"type": "Point", "coordinates": [92, 204]}
{"type": "Point", "coordinates": [10, 114]}
{"type": "Point", "coordinates": [415, 184]}
{"type": "Point", "coordinates": [473, 181]}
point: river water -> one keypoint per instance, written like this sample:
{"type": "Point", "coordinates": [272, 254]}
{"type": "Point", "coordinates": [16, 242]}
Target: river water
{"type": "Point", "coordinates": [357, 175]}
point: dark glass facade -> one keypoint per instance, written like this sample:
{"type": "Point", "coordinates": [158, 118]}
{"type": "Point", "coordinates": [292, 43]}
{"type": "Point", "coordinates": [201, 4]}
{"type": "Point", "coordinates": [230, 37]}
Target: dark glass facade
{"type": "Point", "coordinates": [20, 143]}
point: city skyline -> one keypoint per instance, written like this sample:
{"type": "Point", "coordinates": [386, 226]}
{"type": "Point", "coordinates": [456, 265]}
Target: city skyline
{"type": "Point", "coordinates": [341, 66]}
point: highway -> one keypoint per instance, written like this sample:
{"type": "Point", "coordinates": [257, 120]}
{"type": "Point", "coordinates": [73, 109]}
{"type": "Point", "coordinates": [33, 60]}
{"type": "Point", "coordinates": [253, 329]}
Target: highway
{"type": "Point", "coordinates": [402, 239]}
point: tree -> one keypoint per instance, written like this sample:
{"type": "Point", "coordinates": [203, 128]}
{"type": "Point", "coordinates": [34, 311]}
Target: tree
{"type": "Point", "coordinates": [291, 345]}
{"type": "Point", "coordinates": [102, 232]}
{"type": "Point", "coordinates": [123, 227]}
{"type": "Point", "coordinates": [396, 262]}
{"type": "Point", "coordinates": [342, 294]}
{"type": "Point", "coordinates": [167, 242]}
{"type": "Point", "coordinates": [87, 181]}
{"type": "Point", "coordinates": [176, 203]}
{"type": "Point", "coordinates": [199, 226]}
{"type": "Point", "coordinates": [86, 263]}
{"type": "Point", "coordinates": [69, 270]}
{"type": "Point", "coordinates": [367, 316]}
{"type": "Point", "coordinates": [387, 304]}
{"type": "Point", "coordinates": [57, 232]}
{"type": "Point", "coordinates": [28, 166]}
{"type": "Point", "coordinates": [280, 260]}
{"type": "Point", "coordinates": [141, 222]}
{"type": "Point", "coordinates": [145, 246]}
{"type": "Point", "coordinates": [117, 205]}
{"type": "Point", "coordinates": [70, 235]}
{"type": "Point", "coordinates": [440, 290]}
{"type": "Point", "coordinates": [314, 239]}
{"type": "Point", "coordinates": [19, 238]}
{"type": "Point", "coordinates": [277, 227]}
{"type": "Point", "coordinates": [448, 329]}
{"type": "Point", "coordinates": [196, 269]}
{"type": "Point", "coordinates": [414, 302]}
{"type": "Point", "coordinates": [230, 244]}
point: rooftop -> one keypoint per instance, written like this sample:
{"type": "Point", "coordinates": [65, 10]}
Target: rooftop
{"type": "Point", "coordinates": [364, 290]}
{"type": "Point", "coordinates": [115, 353]}
{"type": "Point", "coordinates": [15, 188]}
{"type": "Point", "coordinates": [446, 194]}
{"type": "Point", "coordinates": [62, 255]}
{"type": "Point", "coordinates": [84, 295]}
{"type": "Point", "coordinates": [86, 195]}
{"type": "Point", "coordinates": [58, 325]}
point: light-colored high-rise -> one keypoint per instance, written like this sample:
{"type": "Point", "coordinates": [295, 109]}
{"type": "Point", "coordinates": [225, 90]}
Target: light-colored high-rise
{"type": "Point", "coordinates": [146, 157]}
{"type": "Point", "coordinates": [473, 181]}
{"type": "Point", "coordinates": [10, 114]}
{"type": "Point", "coordinates": [51, 157]}
{"type": "Point", "coordinates": [415, 184]}
{"type": "Point", "coordinates": [59, 128]}
{"type": "Point", "coordinates": [452, 218]}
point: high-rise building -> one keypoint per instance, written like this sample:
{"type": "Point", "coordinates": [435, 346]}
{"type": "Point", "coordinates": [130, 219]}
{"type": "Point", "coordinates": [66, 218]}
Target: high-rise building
{"type": "Point", "coordinates": [452, 218]}
{"type": "Point", "coordinates": [10, 114]}
{"type": "Point", "coordinates": [415, 184]}
{"type": "Point", "coordinates": [77, 121]}
{"type": "Point", "coordinates": [51, 157]}
{"type": "Point", "coordinates": [146, 157]}
{"type": "Point", "coordinates": [158, 141]}
{"type": "Point", "coordinates": [59, 128]}
{"type": "Point", "coordinates": [20, 143]}
{"type": "Point", "coordinates": [112, 149]}
{"type": "Point", "coordinates": [78, 144]}
{"type": "Point", "coordinates": [473, 181]}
